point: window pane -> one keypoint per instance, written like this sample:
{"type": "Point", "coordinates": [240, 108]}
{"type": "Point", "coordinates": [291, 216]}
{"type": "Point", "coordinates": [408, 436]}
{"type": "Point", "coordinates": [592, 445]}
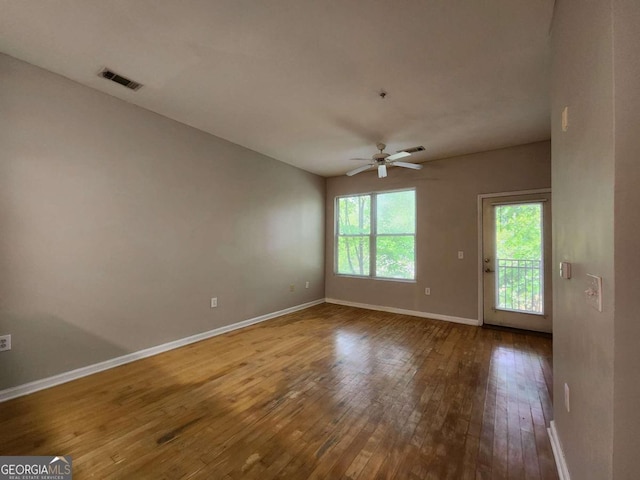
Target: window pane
{"type": "Point", "coordinates": [519, 271]}
{"type": "Point", "coordinates": [396, 212]}
{"type": "Point", "coordinates": [519, 231]}
{"type": "Point", "coordinates": [354, 215]}
{"type": "Point", "coordinates": [353, 255]}
{"type": "Point", "coordinates": [395, 257]}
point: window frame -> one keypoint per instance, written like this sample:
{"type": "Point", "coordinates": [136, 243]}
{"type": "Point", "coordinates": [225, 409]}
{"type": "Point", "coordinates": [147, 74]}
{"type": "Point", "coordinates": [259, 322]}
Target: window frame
{"type": "Point", "coordinates": [373, 235]}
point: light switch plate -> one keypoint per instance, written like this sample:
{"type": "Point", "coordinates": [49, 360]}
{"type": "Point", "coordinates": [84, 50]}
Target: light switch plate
{"type": "Point", "coordinates": [593, 293]}
{"type": "Point", "coordinates": [565, 270]}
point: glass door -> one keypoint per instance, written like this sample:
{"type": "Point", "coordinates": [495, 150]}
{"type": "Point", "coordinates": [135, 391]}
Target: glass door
{"type": "Point", "coordinates": [516, 261]}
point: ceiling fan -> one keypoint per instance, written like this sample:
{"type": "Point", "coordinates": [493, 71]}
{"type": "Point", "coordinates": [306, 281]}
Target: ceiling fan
{"type": "Point", "coordinates": [382, 160]}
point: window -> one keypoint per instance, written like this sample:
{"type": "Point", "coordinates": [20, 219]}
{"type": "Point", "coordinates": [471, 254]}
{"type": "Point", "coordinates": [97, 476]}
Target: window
{"type": "Point", "coordinates": [376, 235]}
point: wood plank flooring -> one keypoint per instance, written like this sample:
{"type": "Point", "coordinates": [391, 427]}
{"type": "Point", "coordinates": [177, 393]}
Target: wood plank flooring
{"type": "Point", "coordinates": [331, 392]}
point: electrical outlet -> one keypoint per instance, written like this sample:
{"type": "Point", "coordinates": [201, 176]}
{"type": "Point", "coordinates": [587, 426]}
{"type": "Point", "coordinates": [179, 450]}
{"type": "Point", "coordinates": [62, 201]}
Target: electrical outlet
{"type": "Point", "coordinates": [292, 287]}
{"type": "Point", "coordinates": [460, 254]}
{"type": "Point", "coordinates": [564, 117]}
{"type": "Point", "coordinates": [566, 398]}
{"type": "Point", "coordinates": [5, 342]}
{"type": "Point", "coordinates": [306, 285]}
{"type": "Point", "coordinates": [214, 302]}
{"type": "Point", "coordinates": [427, 291]}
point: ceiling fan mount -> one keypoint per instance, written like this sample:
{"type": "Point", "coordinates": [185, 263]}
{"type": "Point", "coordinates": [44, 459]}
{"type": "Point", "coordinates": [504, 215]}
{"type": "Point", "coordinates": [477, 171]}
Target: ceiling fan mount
{"type": "Point", "coordinates": [378, 157]}
{"type": "Point", "coordinates": [382, 160]}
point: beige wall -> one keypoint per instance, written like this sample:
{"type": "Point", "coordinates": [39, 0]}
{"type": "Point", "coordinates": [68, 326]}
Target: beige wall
{"type": "Point", "coordinates": [596, 227]}
{"type": "Point", "coordinates": [583, 175]}
{"type": "Point", "coordinates": [626, 39]}
{"type": "Point", "coordinates": [447, 192]}
{"type": "Point", "coordinates": [117, 225]}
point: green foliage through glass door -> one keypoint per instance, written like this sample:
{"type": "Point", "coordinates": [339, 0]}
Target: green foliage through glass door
{"type": "Point", "coordinates": [519, 272]}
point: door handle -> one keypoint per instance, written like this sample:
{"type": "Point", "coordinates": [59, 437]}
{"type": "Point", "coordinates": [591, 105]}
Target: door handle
{"type": "Point", "coordinates": [488, 270]}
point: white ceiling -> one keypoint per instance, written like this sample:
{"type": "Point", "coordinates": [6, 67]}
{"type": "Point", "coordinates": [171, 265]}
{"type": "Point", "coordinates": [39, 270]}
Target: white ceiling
{"type": "Point", "coordinates": [298, 80]}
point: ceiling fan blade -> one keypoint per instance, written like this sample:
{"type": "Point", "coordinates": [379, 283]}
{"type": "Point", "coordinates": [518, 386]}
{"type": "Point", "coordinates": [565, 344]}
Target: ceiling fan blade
{"type": "Point", "coordinates": [382, 171]}
{"type": "Point", "coordinates": [365, 159]}
{"type": "Point", "coordinates": [397, 156]}
{"type": "Point", "coordinates": [359, 169]}
{"type": "Point", "coordinates": [415, 166]}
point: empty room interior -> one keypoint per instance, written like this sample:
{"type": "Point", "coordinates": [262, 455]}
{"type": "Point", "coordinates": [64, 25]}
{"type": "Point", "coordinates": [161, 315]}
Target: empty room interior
{"type": "Point", "coordinates": [317, 239]}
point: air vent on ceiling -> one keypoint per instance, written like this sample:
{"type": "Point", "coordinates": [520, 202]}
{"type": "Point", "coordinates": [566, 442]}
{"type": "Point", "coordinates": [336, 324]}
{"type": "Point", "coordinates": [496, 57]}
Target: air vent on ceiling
{"type": "Point", "coordinates": [413, 150]}
{"type": "Point", "coordinates": [114, 77]}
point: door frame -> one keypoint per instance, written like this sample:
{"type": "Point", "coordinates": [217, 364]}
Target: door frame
{"type": "Point", "coordinates": [481, 197]}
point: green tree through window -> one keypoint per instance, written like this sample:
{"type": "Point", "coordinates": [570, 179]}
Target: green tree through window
{"type": "Point", "coordinates": [378, 227]}
{"type": "Point", "coordinates": [519, 278]}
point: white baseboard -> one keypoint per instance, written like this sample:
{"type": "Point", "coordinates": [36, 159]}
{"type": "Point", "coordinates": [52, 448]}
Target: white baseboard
{"type": "Point", "coordinates": [556, 446]}
{"type": "Point", "coordinates": [48, 382]}
{"type": "Point", "coordinates": [434, 316]}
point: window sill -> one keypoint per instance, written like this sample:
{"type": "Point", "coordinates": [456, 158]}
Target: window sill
{"type": "Point", "coordinates": [364, 277]}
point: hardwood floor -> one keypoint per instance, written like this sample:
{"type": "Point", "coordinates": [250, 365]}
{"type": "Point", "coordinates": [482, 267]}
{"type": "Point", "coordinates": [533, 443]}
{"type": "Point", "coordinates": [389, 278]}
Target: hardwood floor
{"type": "Point", "coordinates": [329, 392]}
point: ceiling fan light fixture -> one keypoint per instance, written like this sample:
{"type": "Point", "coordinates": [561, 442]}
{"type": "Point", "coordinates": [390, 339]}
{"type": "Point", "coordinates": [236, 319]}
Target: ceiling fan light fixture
{"type": "Point", "coordinates": [382, 160]}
